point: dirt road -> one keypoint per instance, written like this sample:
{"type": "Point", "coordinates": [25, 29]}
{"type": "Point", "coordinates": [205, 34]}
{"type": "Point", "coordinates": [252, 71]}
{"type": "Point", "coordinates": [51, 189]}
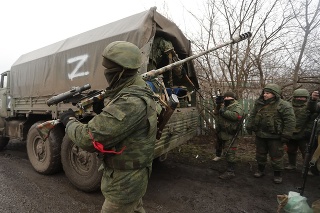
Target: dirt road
{"type": "Point", "coordinates": [177, 185]}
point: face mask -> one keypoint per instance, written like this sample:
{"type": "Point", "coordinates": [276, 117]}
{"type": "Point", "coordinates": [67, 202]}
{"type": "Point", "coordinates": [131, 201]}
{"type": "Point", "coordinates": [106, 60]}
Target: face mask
{"type": "Point", "coordinates": [298, 101]}
{"type": "Point", "coordinates": [113, 75]}
{"type": "Point", "coordinates": [227, 102]}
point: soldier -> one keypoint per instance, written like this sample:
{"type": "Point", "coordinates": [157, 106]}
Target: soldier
{"type": "Point", "coordinates": [227, 121]}
{"type": "Point", "coordinates": [314, 107]}
{"type": "Point", "coordinates": [219, 143]}
{"type": "Point", "coordinates": [314, 104]}
{"type": "Point", "coordinates": [302, 131]}
{"type": "Point", "coordinates": [125, 130]}
{"type": "Point", "coordinates": [162, 54]}
{"type": "Point", "coordinates": [273, 121]}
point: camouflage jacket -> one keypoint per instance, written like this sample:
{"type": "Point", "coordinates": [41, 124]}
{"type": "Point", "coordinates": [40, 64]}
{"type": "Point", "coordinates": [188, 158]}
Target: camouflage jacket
{"type": "Point", "coordinates": [272, 120]}
{"type": "Point", "coordinates": [228, 120]}
{"type": "Point", "coordinates": [129, 122]}
{"type": "Point", "coordinates": [313, 106]}
{"type": "Point", "coordinates": [160, 47]}
{"type": "Point", "coordinates": [304, 120]}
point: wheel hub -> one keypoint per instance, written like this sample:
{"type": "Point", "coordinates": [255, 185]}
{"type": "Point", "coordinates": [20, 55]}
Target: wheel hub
{"type": "Point", "coordinates": [40, 150]}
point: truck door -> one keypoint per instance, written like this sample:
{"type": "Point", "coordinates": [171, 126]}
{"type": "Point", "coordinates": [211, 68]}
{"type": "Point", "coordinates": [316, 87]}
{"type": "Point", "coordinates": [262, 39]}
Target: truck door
{"type": "Point", "coordinates": [4, 94]}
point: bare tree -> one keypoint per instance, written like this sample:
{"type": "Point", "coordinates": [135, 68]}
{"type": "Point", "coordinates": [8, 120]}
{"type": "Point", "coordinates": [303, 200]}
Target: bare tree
{"type": "Point", "coordinates": [245, 64]}
{"type": "Point", "coordinates": [308, 18]}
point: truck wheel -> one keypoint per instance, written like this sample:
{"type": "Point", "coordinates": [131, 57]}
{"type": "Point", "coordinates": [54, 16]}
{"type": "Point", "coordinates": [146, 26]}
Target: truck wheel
{"type": "Point", "coordinates": [81, 167]}
{"type": "Point", "coordinates": [45, 155]}
{"type": "Point", "coordinates": [3, 142]}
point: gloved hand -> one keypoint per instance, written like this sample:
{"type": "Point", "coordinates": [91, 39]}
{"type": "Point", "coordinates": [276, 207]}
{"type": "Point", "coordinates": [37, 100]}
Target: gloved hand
{"type": "Point", "coordinates": [65, 116]}
{"type": "Point", "coordinates": [285, 139]}
{"type": "Point", "coordinates": [97, 105]}
{"type": "Point", "coordinates": [219, 100]}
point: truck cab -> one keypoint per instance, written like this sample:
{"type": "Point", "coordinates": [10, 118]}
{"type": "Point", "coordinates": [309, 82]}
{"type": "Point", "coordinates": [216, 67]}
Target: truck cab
{"type": "Point", "coordinates": [4, 97]}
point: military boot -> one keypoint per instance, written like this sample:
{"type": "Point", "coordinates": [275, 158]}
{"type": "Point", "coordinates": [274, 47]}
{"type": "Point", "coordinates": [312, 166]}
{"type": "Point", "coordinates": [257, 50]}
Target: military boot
{"type": "Point", "coordinates": [277, 177]}
{"type": "Point", "coordinates": [229, 174]}
{"type": "Point", "coordinates": [260, 172]}
{"type": "Point", "coordinates": [292, 162]}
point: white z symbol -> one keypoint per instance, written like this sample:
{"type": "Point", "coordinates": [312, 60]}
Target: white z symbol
{"type": "Point", "coordinates": [76, 73]}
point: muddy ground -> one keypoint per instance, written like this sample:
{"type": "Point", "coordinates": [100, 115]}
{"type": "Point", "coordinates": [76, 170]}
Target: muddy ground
{"type": "Point", "coordinates": [186, 182]}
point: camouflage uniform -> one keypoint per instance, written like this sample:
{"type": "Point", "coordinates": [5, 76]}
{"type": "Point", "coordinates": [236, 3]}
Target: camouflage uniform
{"type": "Point", "coordinates": [226, 126]}
{"type": "Point", "coordinates": [162, 54]}
{"type": "Point", "coordinates": [126, 126]}
{"type": "Point", "coordinates": [160, 48]}
{"type": "Point", "coordinates": [273, 122]}
{"type": "Point", "coordinates": [303, 128]}
{"type": "Point", "coordinates": [314, 106]}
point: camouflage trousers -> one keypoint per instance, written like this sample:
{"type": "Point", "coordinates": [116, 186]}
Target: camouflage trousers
{"type": "Point", "coordinates": [275, 149]}
{"type": "Point", "coordinates": [294, 145]}
{"type": "Point", "coordinates": [134, 207]}
{"type": "Point", "coordinates": [231, 154]}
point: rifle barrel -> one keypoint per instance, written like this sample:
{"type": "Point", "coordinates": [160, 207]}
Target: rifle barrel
{"type": "Point", "coordinates": [153, 73]}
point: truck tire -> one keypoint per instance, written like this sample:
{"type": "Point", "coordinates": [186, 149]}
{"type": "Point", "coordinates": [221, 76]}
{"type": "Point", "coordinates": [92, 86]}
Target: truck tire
{"type": "Point", "coordinates": [45, 156]}
{"type": "Point", "coordinates": [3, 142]}
{"type": "Point", "coordinates": [81, 167]}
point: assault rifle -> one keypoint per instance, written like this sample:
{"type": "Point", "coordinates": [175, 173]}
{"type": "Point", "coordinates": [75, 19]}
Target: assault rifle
{"type": "Point", "coordinates": [235, 136]}
{"type": "Point", "coordinates": [168, 105]}
{"type": "Point", "coordinates": [311, 155]}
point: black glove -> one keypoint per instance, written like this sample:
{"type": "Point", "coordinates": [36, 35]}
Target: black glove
{"type": "Point", "coordinates": [219, 99]}
{"type": "Point", "coordinates": [65, 116]}
{"type": "Point", "coordinates": [97, 105]}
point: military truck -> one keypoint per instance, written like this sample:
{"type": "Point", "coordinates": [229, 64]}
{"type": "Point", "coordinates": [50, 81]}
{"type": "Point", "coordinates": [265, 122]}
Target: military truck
{"type": "Point", "coordinates": [37, 76]}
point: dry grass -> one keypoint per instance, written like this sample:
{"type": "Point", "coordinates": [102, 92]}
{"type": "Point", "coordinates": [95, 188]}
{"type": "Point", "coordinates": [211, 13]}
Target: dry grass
{"type": "Point", "coordinates": [200, 151]}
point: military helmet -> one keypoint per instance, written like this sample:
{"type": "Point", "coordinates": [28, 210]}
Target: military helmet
{"type": "Point", "coordinates": [123, 53]}
{"type": "Point", "coordinates": [273, 88]}
{"type": "Point", "coordinates": [230, 94]}
{"type": "Point", "coordinates": [301, 93]}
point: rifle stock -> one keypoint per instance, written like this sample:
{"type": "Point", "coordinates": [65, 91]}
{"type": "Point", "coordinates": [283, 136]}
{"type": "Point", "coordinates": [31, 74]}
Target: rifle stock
{"type": "Point", "coordinates": [166, 113]}
{"type": "Point", "coordinates": [83, 105]}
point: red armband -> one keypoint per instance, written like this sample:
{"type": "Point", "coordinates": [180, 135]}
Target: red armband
{"type": "Point", "coordinates": [99, 146]}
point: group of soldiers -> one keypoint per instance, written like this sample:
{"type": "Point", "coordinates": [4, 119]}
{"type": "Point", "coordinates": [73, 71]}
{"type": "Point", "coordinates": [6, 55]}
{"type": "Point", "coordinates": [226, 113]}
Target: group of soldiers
{"type": "Point", "coordinates": [124, 128]}
{"type": "Point", "coordinates": [278, 126]}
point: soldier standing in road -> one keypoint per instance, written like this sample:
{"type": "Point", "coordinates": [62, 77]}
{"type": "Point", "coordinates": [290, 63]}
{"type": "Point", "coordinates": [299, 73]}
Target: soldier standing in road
{"type": "Point", "coordinates": [125, 130]}
{"type": "Point", "coordinates": [301, 134]}
{"type": "Point", "coordinates": [227, 121]}
{"type": "Point", "coordinates": [273, 121]}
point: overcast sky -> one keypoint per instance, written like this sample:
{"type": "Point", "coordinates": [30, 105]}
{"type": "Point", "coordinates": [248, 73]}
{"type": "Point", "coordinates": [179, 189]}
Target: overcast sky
{"type": "Point", "coordinates": [27, 25]}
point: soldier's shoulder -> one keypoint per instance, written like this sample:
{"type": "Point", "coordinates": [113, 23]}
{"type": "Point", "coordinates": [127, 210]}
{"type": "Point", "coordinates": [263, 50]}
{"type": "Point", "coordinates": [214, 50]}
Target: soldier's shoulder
{"type": "Point", "coordinates": [284, 103]}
